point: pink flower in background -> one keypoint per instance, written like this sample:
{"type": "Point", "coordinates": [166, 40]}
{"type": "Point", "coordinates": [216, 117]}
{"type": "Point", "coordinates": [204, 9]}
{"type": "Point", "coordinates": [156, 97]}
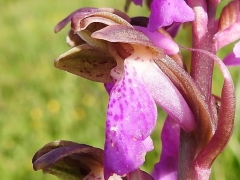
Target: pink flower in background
{"type": "Point", "coordinates": [137, 2]}
{"type": "Point", "coordinates": [233, 58]}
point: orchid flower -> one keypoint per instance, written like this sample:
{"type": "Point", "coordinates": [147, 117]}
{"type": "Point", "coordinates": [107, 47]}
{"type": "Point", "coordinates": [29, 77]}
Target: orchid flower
{"type": "Point", "coordinates": [130, 118]}
{"type": "Point", "coordinates": [141, 66]}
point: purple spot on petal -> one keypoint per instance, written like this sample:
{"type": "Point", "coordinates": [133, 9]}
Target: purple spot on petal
{"type": "Point", "coordinates": [131, 91]}
{"type": "Point", "coordinates": [116, 118]}
{"type": "Point", "coordinates": [137, 58]}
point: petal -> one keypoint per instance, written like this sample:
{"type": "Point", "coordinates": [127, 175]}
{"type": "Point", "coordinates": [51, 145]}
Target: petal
{"type": "Point", "coordinates": [104, 15]}
{"type": "Point", "coordinates": [192, 95]}
{"type": "Point", "coordinates": [82, 13]}
{"type": "Point", "coordinates": [66, 20]}
{"type": "Point", "coordinates": [173, 29]}
{"type": "Point", "coordinates": [69, 160]}
{"type": "Point", "coordinates": [131, 118]}
{"type": "Point", "coordinates": [138, 2]}
{"type": "Point", "coordinates": [125, 34]}
{"type": "Point", "coordinates": [169, 98]}
{"type": "Point", "coordinates": [74, 40]}
{"type": "Point", "coordinates": [236, 50]}
{"type": "Point", "coordinates": [160, 40]}
{"type": "Point", "coordinates": [231, 60]}
{"type": "Point", "coordinates": [165, 12]}
{"type": "Point", "coordinates": [167, 168]}
{"type": "Point", "coordinates": [108, 87]}
{"type": "Point", "coordinates": [227, 36]}
{"type": "Point", "coordinates": [87, 62]}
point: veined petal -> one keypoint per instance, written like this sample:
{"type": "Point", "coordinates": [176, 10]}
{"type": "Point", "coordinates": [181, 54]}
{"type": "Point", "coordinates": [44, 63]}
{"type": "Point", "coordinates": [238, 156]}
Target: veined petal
{"type": "Point", "coordinates": [131, 118]}
{"type": "Point", "coordinates": [167, 168]}
{"type": "Point", "coordinates": [87, 62]}
{"type": "Point", "coordinates": [165, 12]}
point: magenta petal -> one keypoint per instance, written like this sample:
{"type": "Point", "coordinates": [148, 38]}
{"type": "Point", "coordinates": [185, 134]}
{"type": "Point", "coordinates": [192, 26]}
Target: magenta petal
{"type": "Point", "coordinates": [169, 98]}
{"type": "Point", "coordinates": [165, 12]}
{"type": "Point", "coordinates": [138, 2]}
{"type": "Point", "coordinates": [108, 87]}
{"type": "Point", "coordinates": [167, 168]}
{"type": "Point", "coordinates": [131, 118]}
{"type": "Point", "coordinates": [227, 36]}
{"type": "Point", "coordinates": [231, 60]}
{"type": "Point", "coordinates": [160, 40]}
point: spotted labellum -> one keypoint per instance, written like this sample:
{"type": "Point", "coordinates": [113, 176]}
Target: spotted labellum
{"type": "Point", "coordinates": [141, 66]}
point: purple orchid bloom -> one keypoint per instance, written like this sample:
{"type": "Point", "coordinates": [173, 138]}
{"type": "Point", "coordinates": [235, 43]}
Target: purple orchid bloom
{"type": "Point", "coordinates": [130, 118]}
{"type": "Point", "coordinates": [207, 34]}
{"type": "Point", "coordinates": [142, 66]}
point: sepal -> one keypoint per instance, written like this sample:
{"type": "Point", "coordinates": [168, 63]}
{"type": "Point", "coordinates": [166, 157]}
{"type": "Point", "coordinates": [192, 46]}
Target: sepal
{"type": "Point", "coordinates": [68, 160]}
{"type": "Point", "coordinates": [87, 62]}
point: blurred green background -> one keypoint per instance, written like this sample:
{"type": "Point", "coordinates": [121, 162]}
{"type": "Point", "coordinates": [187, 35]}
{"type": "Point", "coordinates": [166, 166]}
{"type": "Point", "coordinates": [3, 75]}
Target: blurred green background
{"type": "Point", "coordinates": [39, 103]}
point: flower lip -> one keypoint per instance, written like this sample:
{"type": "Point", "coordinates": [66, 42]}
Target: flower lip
{"type": "Point", "coordinates": [131, 118]}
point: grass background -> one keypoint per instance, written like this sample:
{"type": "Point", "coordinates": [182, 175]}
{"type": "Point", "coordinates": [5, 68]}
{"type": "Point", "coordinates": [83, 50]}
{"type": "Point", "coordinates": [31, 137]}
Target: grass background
{"type": "Point", "coordinates": [39, 103]}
